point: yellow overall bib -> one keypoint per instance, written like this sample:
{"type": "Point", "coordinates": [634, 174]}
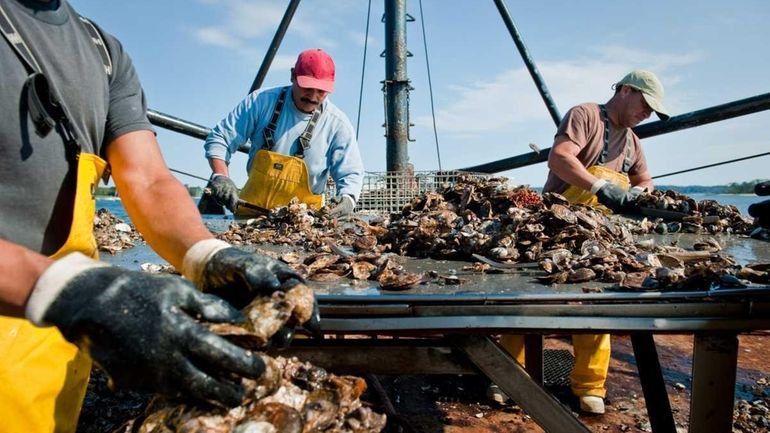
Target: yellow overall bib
{"type": "Point", "coordinates": [274, 178]}
{"type": "Point", "coordinates": [43, 377]}
{"type": "Point", "coordinates": [592, 351]}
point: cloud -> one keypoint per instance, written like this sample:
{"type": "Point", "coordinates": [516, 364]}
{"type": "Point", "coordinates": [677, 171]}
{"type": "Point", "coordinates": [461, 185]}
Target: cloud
{"type": "Point", "coordinates": [510, 98]}
{"type": "Point", "coordinates": [245, 21]}
{"type": "Point", "coordinates": [217, 37]}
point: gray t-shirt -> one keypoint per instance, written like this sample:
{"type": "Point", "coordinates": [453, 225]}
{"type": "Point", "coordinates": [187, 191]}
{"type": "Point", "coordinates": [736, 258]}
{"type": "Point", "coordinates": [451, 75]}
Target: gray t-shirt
{"type": "Point", "coordinates": [36, 181]}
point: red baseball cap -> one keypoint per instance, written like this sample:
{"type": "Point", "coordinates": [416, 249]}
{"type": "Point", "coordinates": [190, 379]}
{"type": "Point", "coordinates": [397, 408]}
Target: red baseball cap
{"type": "Point", "coordinates": [315, 70]}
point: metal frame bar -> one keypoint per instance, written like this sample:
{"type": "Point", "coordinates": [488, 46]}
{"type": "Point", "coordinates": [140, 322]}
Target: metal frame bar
{"type": "Point", "coordinates": [529, 62]}
{"type": "Point", "coordinates": [274, 45]}
{"type": "Point", "coordinates": [503, 370]}
{"type": "Point", "coordinates": [716, 113]}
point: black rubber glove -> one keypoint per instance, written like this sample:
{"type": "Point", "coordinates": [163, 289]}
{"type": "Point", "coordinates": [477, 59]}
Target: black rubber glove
{"type": "Point", "coordinates": [616, 198]}
{"type": "Point", "coordinates": [141, 330]}
{"type": "Point", "coordinates": [762, 188]}
{"type": "Point", "coordinates": [239, 276]}
{"type": "Point", "coordinates": [224, 191]}
{"type": "Point", "coordinates": [761, 213]}
{"type": "Point", "coordinates": [341, 206]}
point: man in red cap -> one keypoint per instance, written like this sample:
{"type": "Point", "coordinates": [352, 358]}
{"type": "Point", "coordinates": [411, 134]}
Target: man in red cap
{"type": "Point", "coordinates": [298, 138]}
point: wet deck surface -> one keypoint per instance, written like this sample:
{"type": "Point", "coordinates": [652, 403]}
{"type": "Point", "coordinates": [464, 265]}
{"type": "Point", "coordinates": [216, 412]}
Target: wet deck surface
{"type": "Point", "coordinates": [520, 282]}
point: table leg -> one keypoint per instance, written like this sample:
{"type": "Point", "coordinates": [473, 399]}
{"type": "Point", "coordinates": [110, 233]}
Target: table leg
{"type": "Point", "coordinates": [714, 366]}
{"type": "Point", "coordinates": [533, 356]}
{"type": "Point", "coordinates": [500, 367]}
{"type": "Point", "coordinates": [653, 386]}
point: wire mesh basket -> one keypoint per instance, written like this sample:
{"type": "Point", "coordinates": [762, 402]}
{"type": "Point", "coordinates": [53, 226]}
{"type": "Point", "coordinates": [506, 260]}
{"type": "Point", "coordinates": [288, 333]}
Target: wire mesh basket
{"type": "Point", "coordinates": [385, 192]}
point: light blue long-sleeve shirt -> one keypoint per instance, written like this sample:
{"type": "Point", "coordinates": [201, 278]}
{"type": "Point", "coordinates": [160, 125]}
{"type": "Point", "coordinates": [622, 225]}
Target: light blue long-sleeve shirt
{"type": "Point", "coordinates": [333, 148]}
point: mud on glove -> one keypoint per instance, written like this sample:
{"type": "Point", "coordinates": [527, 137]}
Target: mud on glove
{"type": "Point", "coordinates": [341, 206]}
{"type": "Point", "coordinates": [613, 196]}
{"type": "Point", "coordinates": [239, 276]}
{"type": "Point", "coordinates": [224, 191]}
{"type": "Point", "coordinates": [141, 329]}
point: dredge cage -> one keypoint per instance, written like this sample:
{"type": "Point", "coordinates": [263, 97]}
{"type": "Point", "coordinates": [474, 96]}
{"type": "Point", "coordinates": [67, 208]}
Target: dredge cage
{"type": "Point", "coordinates": [389, 191]}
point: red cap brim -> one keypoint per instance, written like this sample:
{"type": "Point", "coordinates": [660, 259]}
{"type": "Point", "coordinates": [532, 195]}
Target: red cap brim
{"type": "Point", "coordinates": [314, 83]}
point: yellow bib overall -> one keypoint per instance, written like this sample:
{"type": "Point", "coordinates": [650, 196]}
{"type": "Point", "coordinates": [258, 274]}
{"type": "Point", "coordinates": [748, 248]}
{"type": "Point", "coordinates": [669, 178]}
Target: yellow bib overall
{"type": "Point", "coordinates": [43, 377]}
{"type": "Point", "coordinates": [274, 178]}
{"type": "Point", "coordinates": [592, 351]}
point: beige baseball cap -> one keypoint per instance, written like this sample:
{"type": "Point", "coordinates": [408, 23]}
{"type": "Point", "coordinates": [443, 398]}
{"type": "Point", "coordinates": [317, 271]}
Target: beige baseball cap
{"type": "Point", "coordinates": [651, 88]}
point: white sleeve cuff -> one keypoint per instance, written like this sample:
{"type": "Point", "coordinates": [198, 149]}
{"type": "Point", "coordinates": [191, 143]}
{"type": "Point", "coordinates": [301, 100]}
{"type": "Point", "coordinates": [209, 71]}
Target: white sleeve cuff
{"type": "Point", "coordinates": [52, 282]}
{"type": "Point", "coordinates": [198, 256]}
{"type": "Point", "coordinates": [598, 185]}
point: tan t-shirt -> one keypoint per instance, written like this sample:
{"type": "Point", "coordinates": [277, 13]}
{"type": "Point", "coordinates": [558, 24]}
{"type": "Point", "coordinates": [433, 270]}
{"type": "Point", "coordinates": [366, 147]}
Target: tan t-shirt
{"type": "Point", "coordinates": [584, 126]}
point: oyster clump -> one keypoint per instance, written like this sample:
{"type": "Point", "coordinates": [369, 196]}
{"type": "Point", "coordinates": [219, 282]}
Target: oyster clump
{"type": "Point", "coordinates": [112, 233]}
{"type": "Point", "coordinates": [291, 396]}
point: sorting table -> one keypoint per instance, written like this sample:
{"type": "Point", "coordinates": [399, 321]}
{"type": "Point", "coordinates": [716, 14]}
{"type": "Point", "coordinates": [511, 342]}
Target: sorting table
{"type": "Point", "coordinates": [450, 330]}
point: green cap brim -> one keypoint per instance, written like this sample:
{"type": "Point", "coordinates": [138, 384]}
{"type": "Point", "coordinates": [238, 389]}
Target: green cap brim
{"type": "Point", "coordinates": [656, 106]}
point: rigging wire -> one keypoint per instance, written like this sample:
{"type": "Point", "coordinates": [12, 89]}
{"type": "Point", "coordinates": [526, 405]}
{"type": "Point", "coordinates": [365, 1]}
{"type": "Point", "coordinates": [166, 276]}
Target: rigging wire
{"type": "Point", "coordinates": [430, 86]}
{"type": "Point", "coordinates": [712, 165]}
{"type": "Point", "coordinates": [363, 68]}
{"type": "Point", "coordinates": [188, 174]}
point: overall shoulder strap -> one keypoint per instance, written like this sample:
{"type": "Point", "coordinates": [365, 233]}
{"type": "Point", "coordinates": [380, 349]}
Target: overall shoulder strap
{"type": "Point", "coordinates": [307, 134]}
{"type": "Point", "coordinates": [270, 128]}
{"type": "Point", "coordinates": [606, 136]}
{"type": "Point", "coordinates": [101, 47]}
{"type": "Point", "coordinates": [17, 42]}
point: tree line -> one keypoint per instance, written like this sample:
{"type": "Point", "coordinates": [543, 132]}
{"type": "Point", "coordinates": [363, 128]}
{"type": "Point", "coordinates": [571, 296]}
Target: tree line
{"type": "Point", "coordinates": [111, 191]}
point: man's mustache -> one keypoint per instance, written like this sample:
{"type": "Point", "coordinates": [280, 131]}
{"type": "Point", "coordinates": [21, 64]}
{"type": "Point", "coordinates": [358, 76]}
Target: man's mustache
{"type": "Point", "coordinates": [309, 101]}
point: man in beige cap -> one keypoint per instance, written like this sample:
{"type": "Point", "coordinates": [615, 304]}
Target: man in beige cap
{"type": "Point", "coordinates": [597, 159]}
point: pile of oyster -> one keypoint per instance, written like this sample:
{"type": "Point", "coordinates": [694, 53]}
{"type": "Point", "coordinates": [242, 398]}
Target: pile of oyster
{"type": "Point", "coordinates": [290, 397]}
{"type": "Point", "coordinates": [112, 233]}
{"type": "Point", "coordinates": [754, 416]}
{"type": "Point", "coordinates": [498, 225]}
{"type": "Point", "coordinates": [705, 216]}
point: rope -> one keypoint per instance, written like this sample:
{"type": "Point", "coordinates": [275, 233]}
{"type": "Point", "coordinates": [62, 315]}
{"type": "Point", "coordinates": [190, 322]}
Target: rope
{"type": "Point", "coordinates": [711, 165]}
{"type": "Point", "coordinates": [188, 174]}
{"type": "Point", "coordinates": [363, 68]}
{"type": "Point", "coordinates": [430, 86]}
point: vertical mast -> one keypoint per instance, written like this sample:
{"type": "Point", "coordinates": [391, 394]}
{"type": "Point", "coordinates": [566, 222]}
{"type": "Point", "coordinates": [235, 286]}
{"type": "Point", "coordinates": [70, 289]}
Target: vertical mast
{"type": "Point", "coordinates": [396, 86]}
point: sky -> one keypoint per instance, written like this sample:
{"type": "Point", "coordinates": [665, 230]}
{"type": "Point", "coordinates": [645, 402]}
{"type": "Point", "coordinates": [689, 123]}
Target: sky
{"type": "Point", "coordinates": [197, 59]}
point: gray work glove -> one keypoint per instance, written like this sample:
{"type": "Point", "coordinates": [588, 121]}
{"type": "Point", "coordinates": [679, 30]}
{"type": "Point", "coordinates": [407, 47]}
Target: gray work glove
{"type": "Point", "coordinates": [615, 198]}
{"type": "Point", "coordinates": [341, 206]}
{"type": "Point", "coordinates": [239, 276]}
{"type": "Point", "coordinates": [635, 192]}
{"type": "Point", "coordinates": [761, 211]}
{"type": "Point", "coordinates": [224, 191]}
{"type": "Point", "coordinates": [142, 329]}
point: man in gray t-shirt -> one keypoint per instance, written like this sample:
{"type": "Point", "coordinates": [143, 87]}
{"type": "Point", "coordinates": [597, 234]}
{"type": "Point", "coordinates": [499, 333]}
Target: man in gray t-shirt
{"type": "Point", "coordinates": [72, 104]}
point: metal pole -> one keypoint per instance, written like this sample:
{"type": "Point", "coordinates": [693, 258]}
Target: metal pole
{"type": "Point", "coordinates": [716, 113]}
{"type": "Point", "coordinates": [182, 126]}
{"type": "Point", "coordinates": [268, 60]}
{"type": "Point", "coordinates": [531, 67]}
{"type": "Point", "coordinates": [396, 86]}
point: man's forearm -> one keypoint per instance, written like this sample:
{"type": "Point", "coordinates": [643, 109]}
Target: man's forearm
{"type": "Point", "coordinates": [165, 214]}
{"type": "Point", "coordinates": [219, 166]}
{"type": "Point", "coordinates": [19, 270]}
{"type": "Point", "coordinates": [569, 169]}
